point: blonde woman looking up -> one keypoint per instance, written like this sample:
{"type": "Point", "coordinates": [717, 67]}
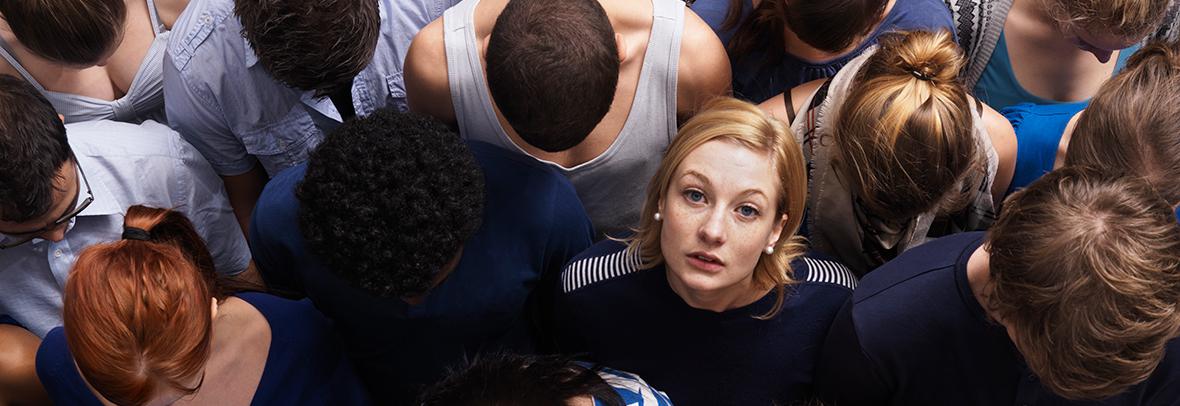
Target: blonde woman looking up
{"type": "Point", "coordinates": [895, 141]}
{"type": "Point", "coordinates": [1052, 51]}
{"type": "Point", "coordinates": [93, 59]}
{"type": "Point", "coordinates": [722, 306]}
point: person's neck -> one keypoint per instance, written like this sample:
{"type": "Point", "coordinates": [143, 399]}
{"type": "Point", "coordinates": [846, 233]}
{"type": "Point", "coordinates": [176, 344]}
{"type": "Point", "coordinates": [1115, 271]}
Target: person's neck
{"type": "Point", "coordinates": [979, 278]}
{"type": "Point", "coordinates": [732, 297]}
{"type": "Point", "coordinates": [798, 48]}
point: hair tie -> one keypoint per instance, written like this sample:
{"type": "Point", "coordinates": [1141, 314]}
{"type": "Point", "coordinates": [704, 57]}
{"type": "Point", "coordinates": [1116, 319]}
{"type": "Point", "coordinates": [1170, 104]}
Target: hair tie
{"type": "Point", "coordinates": [920, 75]}
{"type": "Point", "coordinates": [132, 233]}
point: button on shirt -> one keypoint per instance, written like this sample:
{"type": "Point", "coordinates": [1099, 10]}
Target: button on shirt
{"type": "Point", "coordinates": [224, 102]}
{"type": "Point", "coordinates": [126, 165]}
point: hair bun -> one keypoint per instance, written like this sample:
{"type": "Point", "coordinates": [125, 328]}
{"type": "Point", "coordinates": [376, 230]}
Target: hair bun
{"type": "Point", "coordinates": [927, 56]}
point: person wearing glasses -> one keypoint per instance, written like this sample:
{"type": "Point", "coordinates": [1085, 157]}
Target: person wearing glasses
{"type": "Point", "coordinates": [59, 195]}
{"type": "Point", "coordinates": [149, 322]}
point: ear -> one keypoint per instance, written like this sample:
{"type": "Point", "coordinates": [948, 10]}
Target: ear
{"type": "Point", "coordinates": [213, 309]}
{"type": "Point", "coordinates": [777, 231]}
{"type": "Point", "coordinates": [621, 45]}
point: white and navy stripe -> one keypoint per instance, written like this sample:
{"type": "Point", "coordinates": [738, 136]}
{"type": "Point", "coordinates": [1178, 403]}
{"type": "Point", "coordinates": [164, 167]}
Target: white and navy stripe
{"type": "Point", "coordinates": [824, 271]}
{"type": "Point", "coordinates": [581, 273]}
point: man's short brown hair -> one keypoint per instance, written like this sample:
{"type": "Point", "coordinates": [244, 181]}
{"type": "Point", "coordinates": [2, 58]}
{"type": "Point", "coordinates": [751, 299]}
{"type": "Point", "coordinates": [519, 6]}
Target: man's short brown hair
{"type": "Point", "coordinates": [317, 45]}
{"type": "Point", "coordinates": [71, 32]}
{"type": "Point", "coordinates": [1085, 266]}
{"type": "Point", "coordinates": [552, 69]}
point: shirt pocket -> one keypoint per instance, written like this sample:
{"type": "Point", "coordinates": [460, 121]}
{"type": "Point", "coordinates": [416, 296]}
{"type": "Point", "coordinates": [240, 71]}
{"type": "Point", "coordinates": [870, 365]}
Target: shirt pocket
{"type": "Point", "coordinates": [285, 142]}
{"type": "Point", "coordinates": [397, 91]}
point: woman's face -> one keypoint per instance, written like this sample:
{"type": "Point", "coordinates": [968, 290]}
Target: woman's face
{"type": "Point", "coordinates": [718, 217]}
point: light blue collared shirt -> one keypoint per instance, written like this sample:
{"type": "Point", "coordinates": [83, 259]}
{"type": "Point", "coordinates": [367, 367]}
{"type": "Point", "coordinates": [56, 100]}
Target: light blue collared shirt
{"type": "Point", "coordinates": [125, 164]}
{"type": "Point", "coordinates": [226, 104]}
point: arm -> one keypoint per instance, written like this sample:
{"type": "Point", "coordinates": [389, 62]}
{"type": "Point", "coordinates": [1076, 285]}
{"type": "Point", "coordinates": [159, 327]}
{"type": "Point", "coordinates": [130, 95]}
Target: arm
{"type": "Point", "coordinates": [243, 191]}
{"type": "Point", "coordinates": [1003, 138]}
{"type": "Point", "coordinates": [777, 106]}
{"type": "Point", "coordinates": [703, 71]}
{"type": "Point", "coordinates": [428, 89]}
{"type": "Point", "coordinates": [845, 375]}
{"type": "Point", "coordinates": [19, 384]}
{"type": "Point", "coordinates": [201, 197]}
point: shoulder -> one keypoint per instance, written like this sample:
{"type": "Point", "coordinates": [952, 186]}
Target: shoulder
{"type": "Point", "coordinates": [509, 175]}
{"type": "Point", "coordinates": [603, 261]}
{"type": "Point", "coordinates": [277, 203]}
{"type": "Point", "coordinates": [202, 26]}
{"type": "Point", "coordinates": [818, 269]}
{"type": "Point", "coordinates": [112, 140]}
{"type": "Point", "coordinates": [911, 271]}
{"type": "Point", "coordinates": [287, 318]}
{"type": "Point", "coordinates": [1033, 118]}
{"type": "Point", "coordinates": [54, 362]}
{"type": "Point", "coordinates": [703, 70]}
{"type": "Point", "coordinates": [428, 88]}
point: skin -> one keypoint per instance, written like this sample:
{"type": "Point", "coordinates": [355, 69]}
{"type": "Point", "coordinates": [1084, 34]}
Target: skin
{"type": "Point", "coordinates": [703, 73]}
{"type": "Point", "coordinates": [18, 375]}
{"type": "Point", "coordinates": [107, 79]}
{"type": "Point", "coordinates": [719, 204]}
{"type": "Point", "coordinates": [999, 130]}
{"type": "Point", "coordinates": [1065, 66]}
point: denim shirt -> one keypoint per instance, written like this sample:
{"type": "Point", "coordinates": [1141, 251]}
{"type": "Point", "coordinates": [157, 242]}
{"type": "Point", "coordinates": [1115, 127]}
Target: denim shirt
{"type": "Point", "coordinates": [125, 165]}
{"type": "Point", "coordinates": [227, 105]}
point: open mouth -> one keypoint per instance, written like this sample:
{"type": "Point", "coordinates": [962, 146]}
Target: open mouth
{"type": "Point", "coordinates": [705, 261]}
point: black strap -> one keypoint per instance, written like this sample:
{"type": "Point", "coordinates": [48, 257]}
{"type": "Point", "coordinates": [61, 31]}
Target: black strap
{"type": "Point", "coordinates": [790, 106]}
{"type": "Point", "coordinates": [132, 233]}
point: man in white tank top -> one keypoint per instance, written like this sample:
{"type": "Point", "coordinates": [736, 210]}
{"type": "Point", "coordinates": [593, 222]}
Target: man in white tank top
{"type": "Point", "coordinates": [593, 87]}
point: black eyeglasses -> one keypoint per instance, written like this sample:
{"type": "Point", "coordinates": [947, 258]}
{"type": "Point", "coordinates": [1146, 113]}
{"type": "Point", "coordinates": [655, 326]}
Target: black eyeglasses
{"type": "Point", "coordinates": [13, 240]}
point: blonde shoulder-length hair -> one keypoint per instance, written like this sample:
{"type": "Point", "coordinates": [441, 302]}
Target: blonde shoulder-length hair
{"type": "Point", "coordinates": [742, 123]}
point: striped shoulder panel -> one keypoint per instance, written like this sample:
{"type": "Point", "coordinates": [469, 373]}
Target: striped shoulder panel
{"type": "Point", "coordinates": [583, 272]}
{"type": "Point", "coordinates": [823, 271]}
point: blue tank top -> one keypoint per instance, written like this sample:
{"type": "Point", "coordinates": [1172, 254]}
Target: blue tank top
{"type": "Point", "coordinates": [999, 88]}
{"type": "Point", "coordinates": [1039, 128]}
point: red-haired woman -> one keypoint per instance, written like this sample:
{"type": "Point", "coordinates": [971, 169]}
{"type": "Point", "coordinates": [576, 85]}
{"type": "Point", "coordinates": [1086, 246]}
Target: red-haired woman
{"type": "Point", "coordinates": [147, 322]}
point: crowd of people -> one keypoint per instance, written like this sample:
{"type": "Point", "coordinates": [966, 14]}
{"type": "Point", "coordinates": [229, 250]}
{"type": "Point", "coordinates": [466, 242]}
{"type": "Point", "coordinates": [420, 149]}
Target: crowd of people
{"type": "Point", "coordinates": [590, 202]}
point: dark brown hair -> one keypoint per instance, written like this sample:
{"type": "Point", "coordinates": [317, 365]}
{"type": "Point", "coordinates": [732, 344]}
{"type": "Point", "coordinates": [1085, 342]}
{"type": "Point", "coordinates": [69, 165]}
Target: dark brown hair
{"type": "Point", "coordinates": [1133, 124]}
{"type": "Point", "coordinates": [812, 20]}
{"type": "Point", "coordinates": [317, 45]}
{"type": "Point", "coordinates": [1085, 271]}
{"type": "Point", "coordinates": [71, 32]}
{"type": "Point", "coordinates": [552, 69]}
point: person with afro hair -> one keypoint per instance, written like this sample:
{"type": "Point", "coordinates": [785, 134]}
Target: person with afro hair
{"type": "Point", "coordinates": [423, 249]}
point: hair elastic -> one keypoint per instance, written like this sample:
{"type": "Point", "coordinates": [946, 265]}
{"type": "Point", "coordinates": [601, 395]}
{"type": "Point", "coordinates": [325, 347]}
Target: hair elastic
{"type": "Point", "coordinates": [920, 75]}
{"type": "Point", "coordinates": [132, 233]}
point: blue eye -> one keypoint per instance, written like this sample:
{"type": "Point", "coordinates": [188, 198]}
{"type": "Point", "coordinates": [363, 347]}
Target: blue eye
{"type": "Point", "coordinates": [694, 195]}
{"type": "Point", "coordinates": [747, 211]}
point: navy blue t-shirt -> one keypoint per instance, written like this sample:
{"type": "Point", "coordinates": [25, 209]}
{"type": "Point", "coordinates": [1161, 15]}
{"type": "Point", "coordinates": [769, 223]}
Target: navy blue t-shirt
{"type": "Point", "coordinates": [627, 318]}
{"type": "Point", "coordinates": [914, 334]}
{"type": "Point", "coordinates": [304, 366]}
{"type": "Point", "coordinates": [533, 223]}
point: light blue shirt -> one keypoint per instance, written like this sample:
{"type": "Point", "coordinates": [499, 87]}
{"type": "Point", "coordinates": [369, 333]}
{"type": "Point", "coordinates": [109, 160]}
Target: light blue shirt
{"type": "Point", "coordinates": [125, 164]}
{"type": "Point", "coordinates": [226, 104]}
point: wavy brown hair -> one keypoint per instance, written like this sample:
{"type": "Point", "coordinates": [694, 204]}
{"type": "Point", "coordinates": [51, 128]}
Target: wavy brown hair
{"type": "Point", "coordinates": [744, 124]}
{"type": "Point", "coordinates": [1085, 273]}
{"type": "Point", "coordinates": [1125, 18]}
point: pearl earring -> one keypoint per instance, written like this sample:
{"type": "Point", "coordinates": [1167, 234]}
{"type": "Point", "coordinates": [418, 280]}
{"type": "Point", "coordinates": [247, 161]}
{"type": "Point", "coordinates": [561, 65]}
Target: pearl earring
{"type": "Point", "coordinates": [770, 250]}
{"type": "Point", "coordinates": [657, 216]}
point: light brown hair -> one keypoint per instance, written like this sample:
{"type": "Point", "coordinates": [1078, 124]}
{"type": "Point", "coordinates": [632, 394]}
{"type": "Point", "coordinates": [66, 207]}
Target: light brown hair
{"type": "Point", "coordinates": [905, 134]}
{"type": "Point", "coordinates": [1126, 18]}
{"type": "Point", "coordinates": [1133, 124]}
{"type": "Point", "coordinates": [1085, 271]}
{"type": "Point", "coordinates": [744, 124]}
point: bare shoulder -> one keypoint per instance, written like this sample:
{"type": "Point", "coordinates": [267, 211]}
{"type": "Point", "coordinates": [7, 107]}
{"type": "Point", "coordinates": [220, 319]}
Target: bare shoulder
{"type": "Point", "coordinates": [703, 71]}
{"type": "Point", "coordinates": [776, 107]}
{"type": "Point", "coordinates": [428, 89]}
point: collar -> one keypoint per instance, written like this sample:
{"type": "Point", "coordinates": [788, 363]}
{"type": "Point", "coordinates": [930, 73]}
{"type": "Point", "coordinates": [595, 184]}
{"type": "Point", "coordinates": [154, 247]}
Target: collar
{"type": "Point", "coordinates": [105, 203]}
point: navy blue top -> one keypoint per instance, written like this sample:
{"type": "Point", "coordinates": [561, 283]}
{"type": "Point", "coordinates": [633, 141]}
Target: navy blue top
{"type": "Point", "coordinates": [914, 334]}
{"type": "Point", "coordinates": [532, 224]}
{"type": "Point", "coordinates": [756, 80]}
{"type": "Point", "coordinates": [1039, 128]}
{"type": "Point", "coordinates": [304, 366]}
{"type": "Point", "coordinates": [631, 319]}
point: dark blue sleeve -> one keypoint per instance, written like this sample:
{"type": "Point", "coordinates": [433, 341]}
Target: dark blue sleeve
{"type": "Point", "coordinates": [571, 234]}
{"type": "Point", "coordinates": [274, 225]}
{"type": "Point", "coordinates": [59, 377]}
{"type": "Point", "coordinates": [845, 376]}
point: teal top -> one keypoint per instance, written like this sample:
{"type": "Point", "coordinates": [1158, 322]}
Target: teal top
{"type": "Point", "coordinates": [999, 88]}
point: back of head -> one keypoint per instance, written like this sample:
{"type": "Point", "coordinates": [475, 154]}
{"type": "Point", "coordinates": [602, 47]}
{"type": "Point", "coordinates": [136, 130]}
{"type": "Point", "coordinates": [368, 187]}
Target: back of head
{"type": "Point", "coordinates": [1131, 19]}
{"type": "Point", "coordinates": [70, 32]}
{"type": "Point", "coordinates": [316, 45]}
{"type": "Point", "coordinates": [1133, 124]}
{"type": "Point", "coordinates": [811, 20]}
{"type": "Point", "coordinates": [34, 148]}
{"type": "Point", "coordinates": [904, 139]}
{"type": "Point", "coordinates": [1085, 265]}
{"type": "Point", "coordinates": [388, 200]}
{"type": "Point", "coordinates": [552, 69]}
{"type": "Point", "coordinates": [137, 313]}
{"type": "Point", "coordinates": [518, 380]}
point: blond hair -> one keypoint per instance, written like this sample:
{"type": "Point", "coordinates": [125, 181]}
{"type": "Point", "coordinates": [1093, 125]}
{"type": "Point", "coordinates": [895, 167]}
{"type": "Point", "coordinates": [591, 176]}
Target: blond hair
{"type": "Point", "coordinates": [1085, 270]}
{"type": "Point", "coordinates": [1125, 18]}
{"type": "Point", "coordinates": [905, 134]}
{"type": "Point", "coordinates": [744, 124]}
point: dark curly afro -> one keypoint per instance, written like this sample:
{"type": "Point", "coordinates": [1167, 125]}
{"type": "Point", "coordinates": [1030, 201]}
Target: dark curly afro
{"type": "Point", "coordinates": [388, 200]}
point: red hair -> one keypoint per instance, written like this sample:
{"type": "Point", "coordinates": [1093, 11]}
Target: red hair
{"type": "Point", "coordinates": [137, 314]}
